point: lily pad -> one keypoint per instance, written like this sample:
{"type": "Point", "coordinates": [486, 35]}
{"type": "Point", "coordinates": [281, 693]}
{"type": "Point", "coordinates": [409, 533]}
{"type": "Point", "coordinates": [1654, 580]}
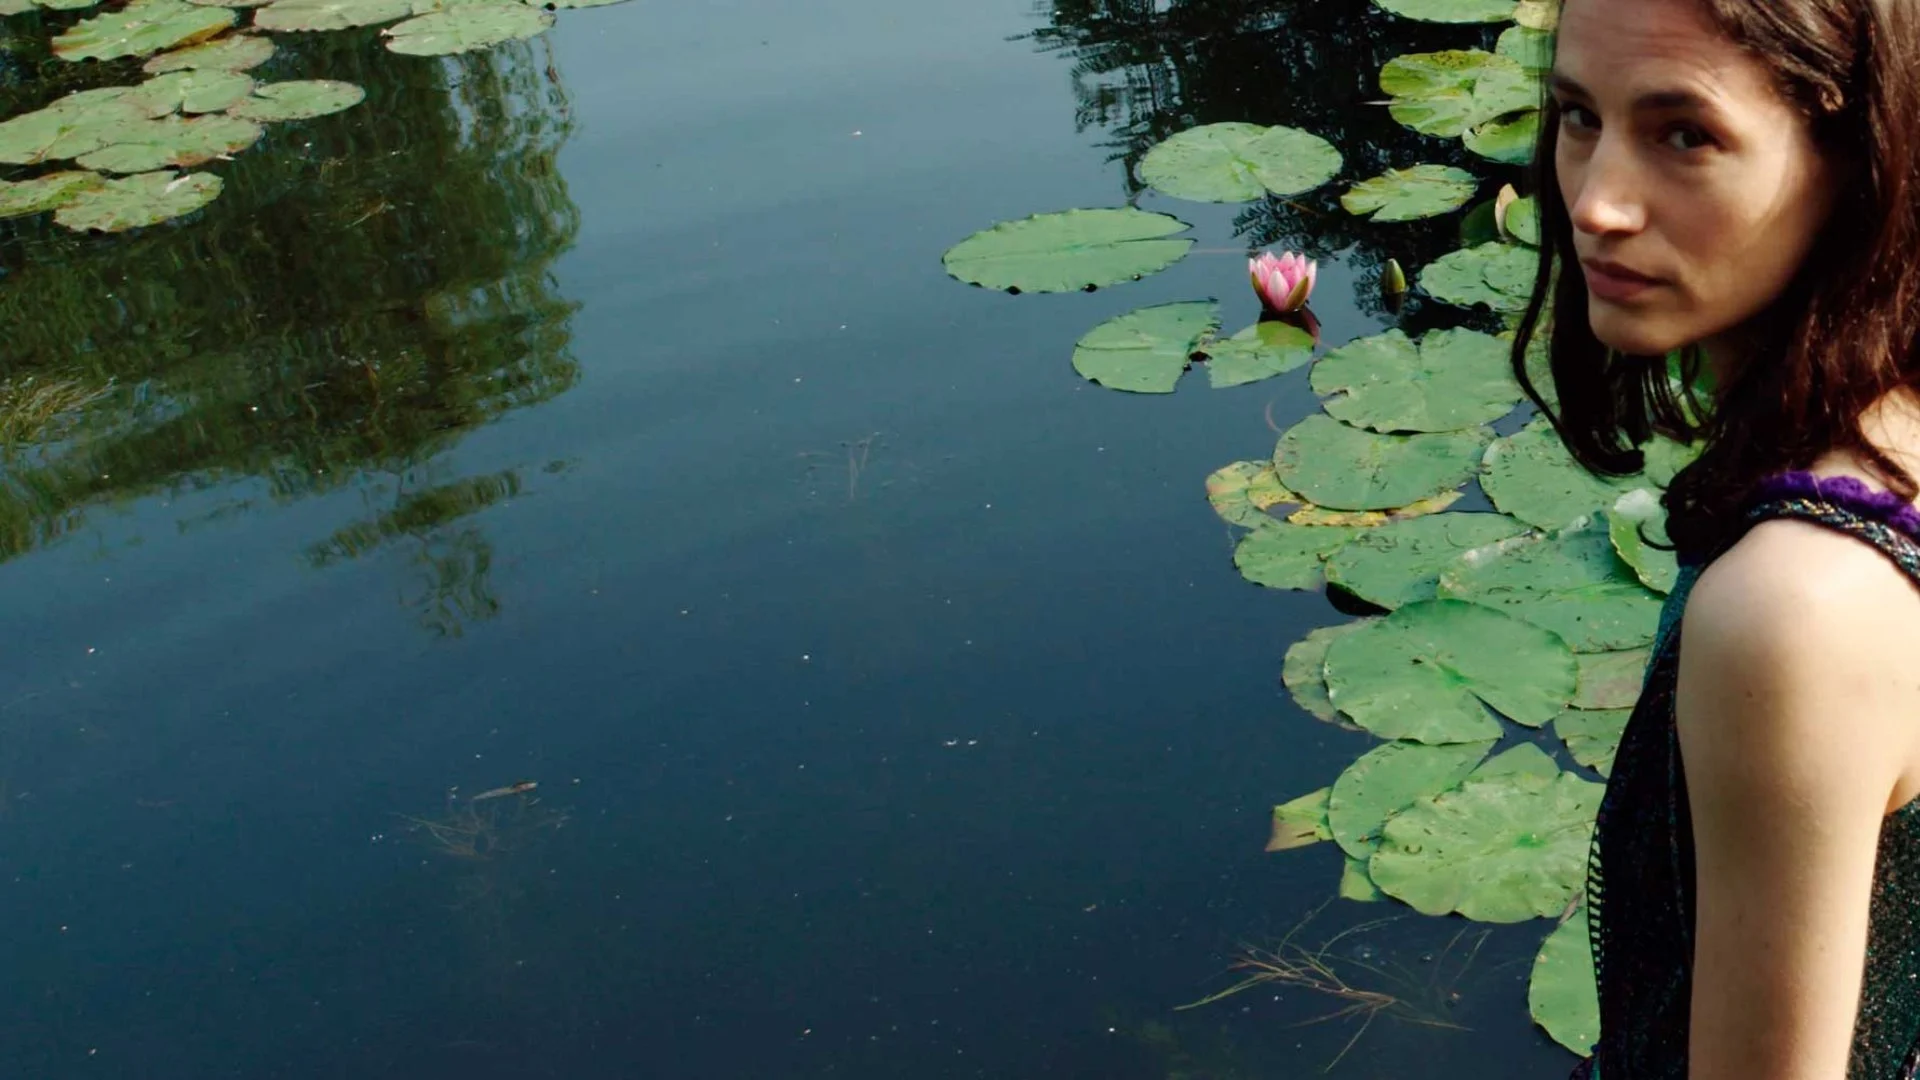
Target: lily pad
{"type": "Point", "coordinates": [1532, 48]}
{"type": "Point", "coordinates": [1346, 468]}
{"type": "Point", "coordinates": [1450, 11]}
{"type": "Point", "coordinates": [1526, 758]}
{"type": "Point", "coordinates": [1611, 680]}
{"type": "Point", "coordinates": [1530, 475]}
{"type": "Point", "coordinates": [1429, 671]}
{"type": "Point", "coordinates": [1239, 162]}
{"type": "Point", "coordinates": [1422, 191]}
{"type": "Point", "coordinates": [466, 27]}
{"type": "Point", "coordinates": [1571, 583]}
{"type": "Point", "coordinates": [191, 91]}
{"type": "Point", "coordinates": [1436, 93]}
{"type": "Point", "coordinates": [1146, 351]}
{"type": "Point", "coordinates": [74, 125]}
{"type": "Point", "coordinates": [1243, 492]}
{"type": "Point", "coordinates": [1499, 276]}
{"type": "Point", "coordinates": [1542, 15]}
{"type": "Point", "coordinates": [1592, 735]}
{"type": "Point", "coordinates": [1451, 381]}
{"type": "Point", "coordinates": [1563, 995]}
{"type": "Point", "coordinates": [331, 14]}
{"type": "Point", "coordinates": [43, 193]}
{"type": "Point", "coordinates": [174, 141]}
{"type": "Point", "coordinates": [142, 27]}
{"type": "Point", "coordinates": [1356, 885]}
{"type": "Point", "coordinates": [136, 201]}
{"type": "Point", "coordinates": [1509, 139]}
{"type": "Point", "coordinates": [1388, 779]}
{"type": "Point", "coordinates": [1069, 251]}
{"type": "Point", "coordinates": [1637, 524]}
{"type": "Point", "coordinates": [1288, 556]}
{"type": "Point", "coordinates": [234, 52]}
{"type": "Point", "coordinates": [1502, 850]}
{"type": "Point", "coordinates": [1666, 457]}
{"type": "Point", "coordinates": [1522, 221]}
{"type": "Point", "coordinates": [1301, 822]}
{"type": "Point", "coordinates": [1305, 671]}
{"type": "Point", "coordinates": [1261, 351]}
{"type": "Point", "coordinates": [1397, 564]}
{"type": "Point", "coordinates": [1309, 514]}
{"type": "Point", "coordinates": [300, 100]}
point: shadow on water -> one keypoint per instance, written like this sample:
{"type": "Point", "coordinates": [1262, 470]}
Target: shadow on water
{"type": "Point", "coordinates": [372, 287]}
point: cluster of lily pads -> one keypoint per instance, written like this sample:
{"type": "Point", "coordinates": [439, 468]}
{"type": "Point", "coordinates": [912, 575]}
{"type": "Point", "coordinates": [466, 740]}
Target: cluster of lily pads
{"type": "Point", "coordinates": [1487, 627]}
{"type": "Point", "coordinates": [133, 145]}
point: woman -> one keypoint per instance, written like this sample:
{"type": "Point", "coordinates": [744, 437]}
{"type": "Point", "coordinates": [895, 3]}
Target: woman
{"type": "Point", "coordinates": [1733, 182]}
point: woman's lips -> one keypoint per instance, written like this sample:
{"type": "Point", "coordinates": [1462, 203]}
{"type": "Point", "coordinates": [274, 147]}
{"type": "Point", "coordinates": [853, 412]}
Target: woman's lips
{"type": "Point", "coordinates": [1611, 281]}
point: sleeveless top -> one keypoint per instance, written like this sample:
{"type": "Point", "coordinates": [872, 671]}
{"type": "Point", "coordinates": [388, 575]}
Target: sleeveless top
{"type": "Point", "coordinates": [1640, 887]}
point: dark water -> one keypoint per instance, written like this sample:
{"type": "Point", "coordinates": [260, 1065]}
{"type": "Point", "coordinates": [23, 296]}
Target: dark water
{"type": "Point", "coordinates": [597, 413]}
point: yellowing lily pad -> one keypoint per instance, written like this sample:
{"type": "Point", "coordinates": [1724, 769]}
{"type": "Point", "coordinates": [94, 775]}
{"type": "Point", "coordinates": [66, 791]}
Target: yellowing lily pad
{"type": "Point", "coordinates": [1301, 822]}
{"type": "Point", "coordinates": [1310, 514]}
{"type": "Point", "coordinates": [136, 201]}
{"type": "Point", "coordinates": [43, 193]}
{"type": "Point", "coordinates": [1243, 492]}
{"type": "Point", "coordinates": [233, 52]}
{"type": "Point", "coordinates": [1345, 468]}
{"type": "Point", "coordinates": [1450, 11]}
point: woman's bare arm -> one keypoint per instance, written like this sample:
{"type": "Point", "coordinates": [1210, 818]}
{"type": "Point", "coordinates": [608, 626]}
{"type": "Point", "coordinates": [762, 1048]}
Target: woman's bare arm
{"type": "Point", "coordinates": [1798, 713]}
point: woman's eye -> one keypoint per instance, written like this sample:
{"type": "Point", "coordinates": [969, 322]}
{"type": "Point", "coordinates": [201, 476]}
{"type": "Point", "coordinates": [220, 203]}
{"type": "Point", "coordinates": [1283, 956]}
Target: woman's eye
{"type": "Point", "coordinates": [1579, 117]}
{"type": "Point", "coordinates": [1685, 137]}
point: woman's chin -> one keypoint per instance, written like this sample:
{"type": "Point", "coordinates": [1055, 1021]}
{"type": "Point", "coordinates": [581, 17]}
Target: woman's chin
{"type": "Point", "coordinates": [1635, 333]}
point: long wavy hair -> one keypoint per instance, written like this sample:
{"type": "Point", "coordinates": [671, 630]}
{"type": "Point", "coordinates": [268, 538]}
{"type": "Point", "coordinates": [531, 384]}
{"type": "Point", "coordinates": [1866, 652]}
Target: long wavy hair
{"type": "Point", "coordinates": [1842, 334]}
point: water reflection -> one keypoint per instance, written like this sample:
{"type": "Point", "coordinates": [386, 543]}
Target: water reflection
{"type": "Point", "coordinates": [372, 287]}
{"type": "Point", "coordinates": [1145, 70]}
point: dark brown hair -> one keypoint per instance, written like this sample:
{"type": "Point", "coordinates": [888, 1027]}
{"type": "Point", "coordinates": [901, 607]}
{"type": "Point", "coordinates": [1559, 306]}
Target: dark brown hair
{"type": "Point", "coordinates": [1844, 332]}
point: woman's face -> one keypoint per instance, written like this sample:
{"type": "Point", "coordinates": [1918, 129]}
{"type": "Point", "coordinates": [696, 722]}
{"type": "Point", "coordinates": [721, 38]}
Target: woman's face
{"type": "Point", "coordinates": [1694, 186]}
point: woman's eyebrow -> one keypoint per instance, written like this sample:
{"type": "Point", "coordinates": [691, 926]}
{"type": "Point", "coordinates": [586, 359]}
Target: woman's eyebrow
{"type": "Point", "coordinates": [1651, 100]}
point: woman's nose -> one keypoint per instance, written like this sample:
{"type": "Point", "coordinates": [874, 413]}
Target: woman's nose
{"type": "Point", "coordinates": [1609, 194]}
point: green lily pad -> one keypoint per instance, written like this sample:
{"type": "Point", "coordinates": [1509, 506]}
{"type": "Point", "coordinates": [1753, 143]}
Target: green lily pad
{"type": "Point", "coordinates": [1239, 162]}
{"type": "Point", "coordinates": [1666, 457]}
{"type": "Point", "coordinates": [1532, 48]}
{"type": "Point", "coordinates": [1531, 476]}
{"type": "Point", "coordinates": [234, 52]}
{"type": "Point", "coordinates": [1300, 822]}
{"type": "Point", "coordinates": [1422, 191]}
{"type": "Point", "coordinates": [1611, 680]}
{"type": "Point", "coordinates": [1261, 351]}
{"type": "Point", "coordinates": [1524, 759]}
{"type": "Point", "coordinates": [136, 201]}
{"type": "Point", "coordinates": [466, 27]}
{"type": "Point", "coordinates": [1509, 140]}
{"type": "Point", "coordinates": [44, 193]}
{"type": "Point", "coordinates": [74, 125]}
{"type": "Point", "coordinates": [1283, 556]}
{"type": "Point", "coordinates": [1571, 583]}
{"type": "Point", "coordinates": [1592, 735]}
{"type": "Point", "coordinates": [190, 91]}
{"type": "Point", "coordinates": [1243, 492]}
{"type": "Point", "coordinates": [1388, 779]}
{"type": "Point", "coordinates": [1429, 671]}
{"type": "Point", "coordinates": [1305, 671]}
{"type": "Point", "coordinates": [1397, 564]}
{"type": "Point", "coordinates": [1356, 885]}
{"type": "Point", "coordinates": [332, 14]}
{"type": "Point", "coordinates": [1637, 523]}
{"type": "Point", "coordinates": [174, 141]}
{"type": "Point", "coordinates": [1523, 221]}
{"type": "Point", "coordinates": [300, 100]}
{"type": "Point", "coordinates": [1146, 351]}
{"type": "Point", "coordinates": [1069, 251]}
{"type": "Point", "coordinates": [1497, 275]}
{"type": "Point", "coordinates": [1562, 994]}
{"type": "Point", "coordinates": [1452, 380]}
{"type": "Point", "coordinates": [1345, 468]}
{"type": "Point", "coordinates": [1438, 93]}
{"type": "Point", "coordinates": [142, 27]}
{"type": "Point", "coordinates": [1450, 11]}
{"type": "Point", "coordinates": [1500, 850]}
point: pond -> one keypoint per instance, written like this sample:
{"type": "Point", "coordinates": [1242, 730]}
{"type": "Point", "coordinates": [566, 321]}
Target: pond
{"type": "Point", "coordinates": [542, 571]}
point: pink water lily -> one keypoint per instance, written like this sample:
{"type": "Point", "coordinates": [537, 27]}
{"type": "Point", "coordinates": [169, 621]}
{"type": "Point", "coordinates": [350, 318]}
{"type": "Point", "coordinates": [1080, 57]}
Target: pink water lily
{"type": "Point", "coordinates": [1283, 281]}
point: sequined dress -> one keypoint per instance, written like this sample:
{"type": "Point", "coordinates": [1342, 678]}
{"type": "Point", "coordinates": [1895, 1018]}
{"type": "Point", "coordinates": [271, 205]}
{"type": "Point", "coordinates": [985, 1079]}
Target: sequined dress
{"type": "Point", "coordinates": [1640, 888]}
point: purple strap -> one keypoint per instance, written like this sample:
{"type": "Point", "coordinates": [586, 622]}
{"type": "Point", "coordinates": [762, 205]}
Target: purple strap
{"type": "Point", "coordinates": [1847, 492]}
